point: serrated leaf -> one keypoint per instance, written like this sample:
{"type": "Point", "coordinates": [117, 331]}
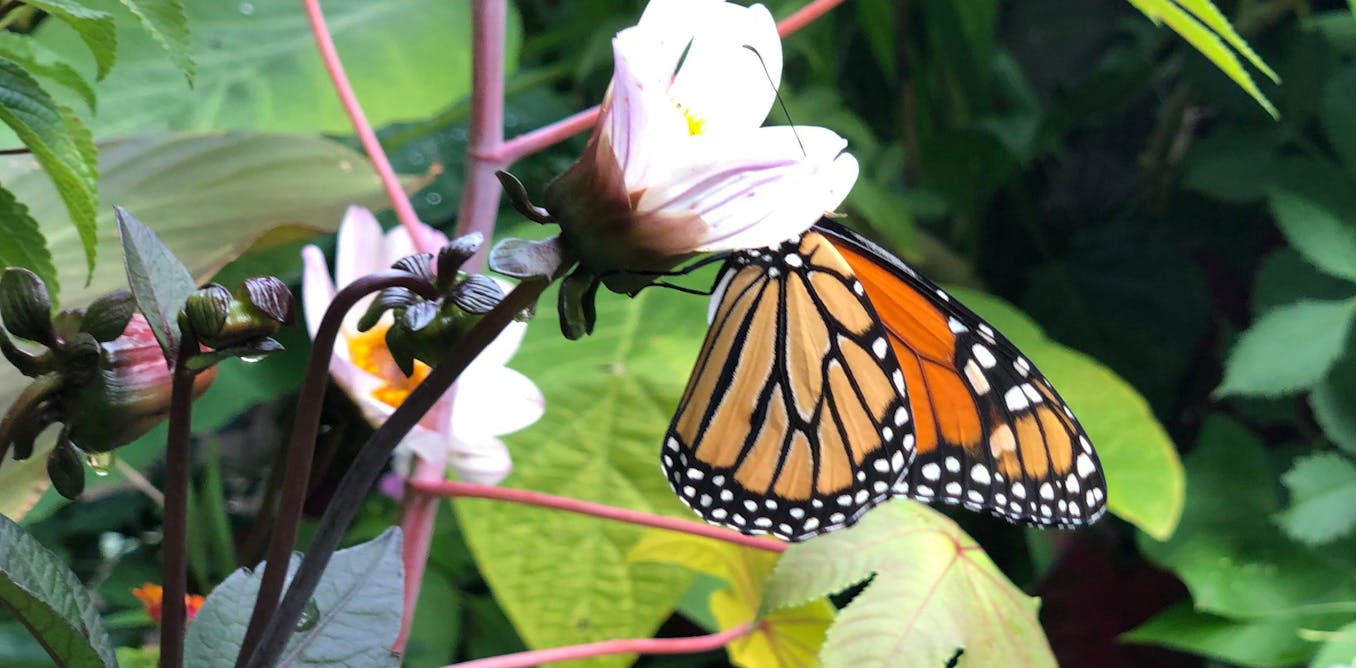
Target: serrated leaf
{"type": "Point", "coordinates": [59, 143]}
{"type": "Point", "coordinates": [1267, 361]}
{"type": "Point", "coordinates": [1332, 405]}
{"type": "Point", "coordinates": [786, 637]}
{"type": "Point", "coordinates": [609, 399]}
{"type": "Point", "coordinates": [1259, 644]}
{"type": "Point", "coordinates": [934, 592]}
{"type": "Point", "coordinates": [1317, 232]}
{"type": "Point", "coordinates": [167, 24]}
{"type": "Point", "coordinates": [407, 60]}
{"type": "Point", "coordinates": [1322, 498]}
{"type": "Point", "coordinates": [96, 28]}
{"type": "Point", "coordinates": [37, 588]}
{"type": "Point", "coordinates": [39, 62]}
{"type": "Point", "coordinates": [1208, 42]}
{"type": "Point", "coordinates": [22, 244]}
{"type": "Point", "coordinates": [1145, 481]}
{"type": "Point", "coordinates": [1233, 559]}
{"type": "Point", "coordinates": [1339, 98]}
{"type": "Point", "coordinates": [159, 281]}
{"type": "Point", "coordinates": [355, 619]}
{"type": "Point", "coordinates": [1206, 12]}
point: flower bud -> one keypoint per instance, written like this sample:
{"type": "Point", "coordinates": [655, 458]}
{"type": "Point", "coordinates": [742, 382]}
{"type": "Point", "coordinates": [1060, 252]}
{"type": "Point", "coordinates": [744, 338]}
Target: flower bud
{"type": "Point", "coordinates": [26, 307]}
{"type": "Point", "coordinates": [477, 294]}
{"type": "Point", "coordinates": [107, 317]}
{"type": "Point", "coordinates": [66, 469]}
{"type": "Point", "coordinates": [452, 256]}
{"type": "Point", "coordinates": [221, 320]}
{"type": "Point", "coordinates": [205, 312]}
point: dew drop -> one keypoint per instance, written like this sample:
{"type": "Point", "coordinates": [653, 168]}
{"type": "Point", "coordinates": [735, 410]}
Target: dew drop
{"type": "Point", "coordinates": [433, 198]}
{"type": "Point", "coordinates": [309, 616]}
{"type": "Point", "coordinates": [252, 359]}
{"type": "Point", "coordinates": [101, 462]}
{"type": "Point", "coordinates": [246, 8]}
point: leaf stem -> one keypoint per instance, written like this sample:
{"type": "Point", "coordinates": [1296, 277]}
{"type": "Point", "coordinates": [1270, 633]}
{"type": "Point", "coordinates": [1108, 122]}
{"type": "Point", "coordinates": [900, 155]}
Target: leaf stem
{"type": "Point", "coordinates": [370, 461]}
{"type": "Point", "coordinates": [629, 646]}
{"type": "Point", "coordinates": [301, 448]}
{"type": "Point", "coordinates": [175, 546]}
{"type": "Point", "coordinates": [423, 240]}
{"type": "Point", "coordinates": [476, 491]}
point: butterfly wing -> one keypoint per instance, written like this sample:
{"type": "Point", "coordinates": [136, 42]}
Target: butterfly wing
{"type": "Point", "coordinates": [992, 433]}
{"type": "Point", "coordinates": [794, 420]}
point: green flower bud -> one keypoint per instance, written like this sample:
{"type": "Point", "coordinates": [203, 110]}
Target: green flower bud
{"type": "Point", "coordinates": [107, 317]}
{"type": "Point", "coordinates": [66, 469]}
{"type": "Point", "coordinates": [26, 307]}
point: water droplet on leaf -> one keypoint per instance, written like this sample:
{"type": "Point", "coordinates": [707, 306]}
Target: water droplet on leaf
{"type": "Point", "coordinates": [101, 462]}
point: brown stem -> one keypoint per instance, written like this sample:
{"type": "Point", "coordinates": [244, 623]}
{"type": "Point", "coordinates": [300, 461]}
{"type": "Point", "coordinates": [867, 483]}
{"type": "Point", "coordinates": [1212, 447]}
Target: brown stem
{"type": "Point", "coordinates": [175, 545]}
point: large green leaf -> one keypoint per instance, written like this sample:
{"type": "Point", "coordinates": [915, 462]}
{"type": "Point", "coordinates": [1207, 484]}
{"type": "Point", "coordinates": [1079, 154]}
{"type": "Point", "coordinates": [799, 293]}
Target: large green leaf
{"type": "Point", "coordinates": [1260, 644]}
{"type": "Point", "coordinates": [95, 29]}
{"type": "Point", "coordinates": [209, 197]}
{"type": "Point", "coordinates": [59, 143]}
{"type": "Point", "coordinates": [353, 622]}
{"type": "Point", "coordinates": [258, 68]}
{"type": "Point", "coordinates": [39, 590]}
{"type": "Point", "coordinates": [1340, 648]}
{"type": "Point", "coordinates": [167, 24]}
{"type": "Point", "coordinates": [1339, 98]}
{"type": "Point", "coordinates": [1319, 233]}
{"type": "Point", "coordinates": [21, 242]}
{"type": "Point", "coordinates": [1233, 559]}
{"type": "Point", "coordinates": [40, 63]}
{"type": "Point", "coordinates": [563, 578]}
{"type": "Point", "coordinates": [1144, 477]}
{"type": "Point", "coordinates": [1331, 402]}
{"type": "Point", "coordinates": [1322, 498]}
{"type": "Point", "coordinates": [1267, 361]}
{"type": "Point", "coordinates": [935, 592]}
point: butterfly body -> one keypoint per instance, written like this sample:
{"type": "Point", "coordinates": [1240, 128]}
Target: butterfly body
{"type": "Point", "coordinates": [834, 376]}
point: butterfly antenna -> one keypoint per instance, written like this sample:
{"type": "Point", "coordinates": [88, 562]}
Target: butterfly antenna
{"type": "Point", "coordinates": [780, 102]}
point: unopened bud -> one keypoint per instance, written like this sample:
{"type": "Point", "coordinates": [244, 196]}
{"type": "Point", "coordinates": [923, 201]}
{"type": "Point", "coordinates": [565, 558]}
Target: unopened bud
{"type": "Point", "coordinates": [26, 307]}
{"type": "Point", "coordinates": [107, 316]}
{"type": "Point", "coordinates": [452, 256]}
{"type": "Point", "coordinates": [271, 297]}
{"type": "Point", "coordinates": [477, 294]}
{"type": "Point", "coordinates": [66, 469]}
{"type": "Point", "coordinates": [205, 312]}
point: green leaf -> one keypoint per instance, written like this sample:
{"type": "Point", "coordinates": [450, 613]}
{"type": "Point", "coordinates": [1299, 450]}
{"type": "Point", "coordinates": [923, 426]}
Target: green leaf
{"type": "Point", "coordinates": [1260, 644]}
{"type": "Point", "coordinates": [41, 63]}
{"type": "Point", "coordinates": [1206, 38]}
{"type": "Point", "coordinates": [609, 398]}
{"type": "Point", "coordinates": [210, 198]}
{"type": "Point", "coordinates": [39, 590]}
{"type": "Point", "coordinates": [1332, 405]}
{"type": "Point", "coordinates": [257, 67]}
{"type": "Point", "coordinates": [95, 28]}
{"type": "Point", "coordinates": [1339, 98]}
{"type": "Point", "coordinates": [21, 242]}
{"type": "Point", "coordinates": [1317, 232]}
{"type": "Point", "coordinates": [1286, 277]}
{"type": "Point", "coordinates": [1340, 648]}
{"type": "Point", "coordinates": [60, 144]}
{"type": "Point", "coordinates": [354, 621]}
{"type": "Point", "coordinates": [934, 592]}
{"type": "Point", "coordinates": [167, 24]}
{"type": "Point", "coordinates": [1233, 559]}
{"type": "Point", "coordinates": [1322, 498]}
{"type": "Point", "coordinates": [1266, 360]}
{"type": "Point", "coordinates": [160, 282]}
{"type": "Point", "coordinates": [1143, 474]}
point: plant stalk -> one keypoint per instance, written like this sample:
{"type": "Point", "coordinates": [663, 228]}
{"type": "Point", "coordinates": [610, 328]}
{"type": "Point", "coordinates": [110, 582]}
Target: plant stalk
{"type": "Point", "coordinates": [174, 580]}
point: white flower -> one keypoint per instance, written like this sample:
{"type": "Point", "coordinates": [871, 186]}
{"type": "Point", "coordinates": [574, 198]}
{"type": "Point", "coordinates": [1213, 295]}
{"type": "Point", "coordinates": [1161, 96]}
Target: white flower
{"type": "Point", "coordinates": [487, 401]}
{"type": "Point", "coordinates": [679, 162]}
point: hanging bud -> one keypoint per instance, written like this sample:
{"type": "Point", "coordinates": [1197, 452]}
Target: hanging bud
{"type": "Point", "coordinates": [107, 317]}
{"type": "Point", "coordinates": [26, 307]}
{"type": "Point", "coordinates": [221, 320]}
{"type": "Point", "coordinates": [452, 256]}
{"type": "Point", "coordinates": [66, 469]}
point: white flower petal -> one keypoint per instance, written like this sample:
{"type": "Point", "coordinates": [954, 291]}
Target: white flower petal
{"type": "Point", "coordinates": [359, 236]}
{"type": "Point", "coordinates": [317, 290]}
{"type": "Point", "coordinates": [482, 460]}
{"type": "Point", "coordinates": [669, 26]}
{"type": "Point", "coordinates": [500, 350]}
{"type": "Point", "coordinates": [499, 402]}
{"type": "Point", "coordinates": [641, 121]}
{"type": "Point", "coordinates": [784, 209]}
{"type": "Point", "coordinates": [730, 75]}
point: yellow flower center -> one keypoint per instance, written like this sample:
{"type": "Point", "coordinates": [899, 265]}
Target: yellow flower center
{"type": "Point", "coordinates": [695, 124]}
{"type": "Point", "coordinates": [368, 352]}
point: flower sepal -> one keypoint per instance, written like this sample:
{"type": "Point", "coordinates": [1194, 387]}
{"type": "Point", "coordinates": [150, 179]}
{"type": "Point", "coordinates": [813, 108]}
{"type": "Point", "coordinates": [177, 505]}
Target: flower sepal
{"type": "Point", "coordinates": [238, 324]}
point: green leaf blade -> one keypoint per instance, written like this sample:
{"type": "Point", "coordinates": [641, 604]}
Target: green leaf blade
{"type": "Point", "coordinates": [39, 62]}
{"type": "Point", "coordinates": [22, 243]}
{"type": "Point", "coordinates": [1267, 361]}
{"type": "Point", "coordinates": [1317, 232]}
{"type": "Point", "coordinates": [1256, 644]}
{"type": "Point", "coordinates": [159, 281]}
{"type": "Point", "coordinates": [59, 142]}
{"type": "Point", "coordinates": [166, 21]}
{"type": "Point", "coordinates": [96, 29]}
{"type": "Point", "coordinates": [38, 589]}
{"type": "Point", "coordinates": [1322, 498]}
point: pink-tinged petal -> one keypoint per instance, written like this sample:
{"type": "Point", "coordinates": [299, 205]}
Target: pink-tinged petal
{"type": "Point", "coordinates": [482, 460]}
{"type": "Point", "coordinates": [641, 122]}
{"type": "Point", "coordinates": [495, 403]}
{"type": "Point", "coordinates": [783, 210]}
{"type": "Point", "coordinates": [730, 75]}
{"type": "Point", "coordinates": [317, 289]}
{"type": "Point", "coordinates": [398, 244]}
{"type": "Point", "coordinates": [392, 484]}
{"type": "Point", "coordinates": [423, 443]}
{"type": "Point", "coordinates": [355, 255]}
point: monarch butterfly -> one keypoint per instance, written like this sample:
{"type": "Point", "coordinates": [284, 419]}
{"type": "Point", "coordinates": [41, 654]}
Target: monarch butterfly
{"type": "Point", "coordinates": [835, 377]}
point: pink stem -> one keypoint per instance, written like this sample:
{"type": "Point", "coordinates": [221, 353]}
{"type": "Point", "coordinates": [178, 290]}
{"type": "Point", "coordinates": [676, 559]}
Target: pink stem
{"type": "Point", "coordinates": [636, 646]}
{"type": "Point", "coordinates": [549, 135]}
{"type": "Point", "coordinates": [423, 239]}
{"type": "Point", "coordinates": [525, 497]}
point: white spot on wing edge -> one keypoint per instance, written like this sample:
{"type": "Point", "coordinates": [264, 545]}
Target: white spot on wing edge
{"type": "Point", "coordinates": [718, 295]}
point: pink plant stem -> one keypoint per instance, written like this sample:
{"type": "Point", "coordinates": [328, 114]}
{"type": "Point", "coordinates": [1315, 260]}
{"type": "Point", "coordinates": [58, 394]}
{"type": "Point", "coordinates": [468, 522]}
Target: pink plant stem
{"type": "Point", "coordinates": [636, 646]}
{"type": "Point", "coordinates": [549, 135]}
{"type": "Point", "coordinates": [423, 241]}
{"type": "Point", "coordinates": [529, 498]}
